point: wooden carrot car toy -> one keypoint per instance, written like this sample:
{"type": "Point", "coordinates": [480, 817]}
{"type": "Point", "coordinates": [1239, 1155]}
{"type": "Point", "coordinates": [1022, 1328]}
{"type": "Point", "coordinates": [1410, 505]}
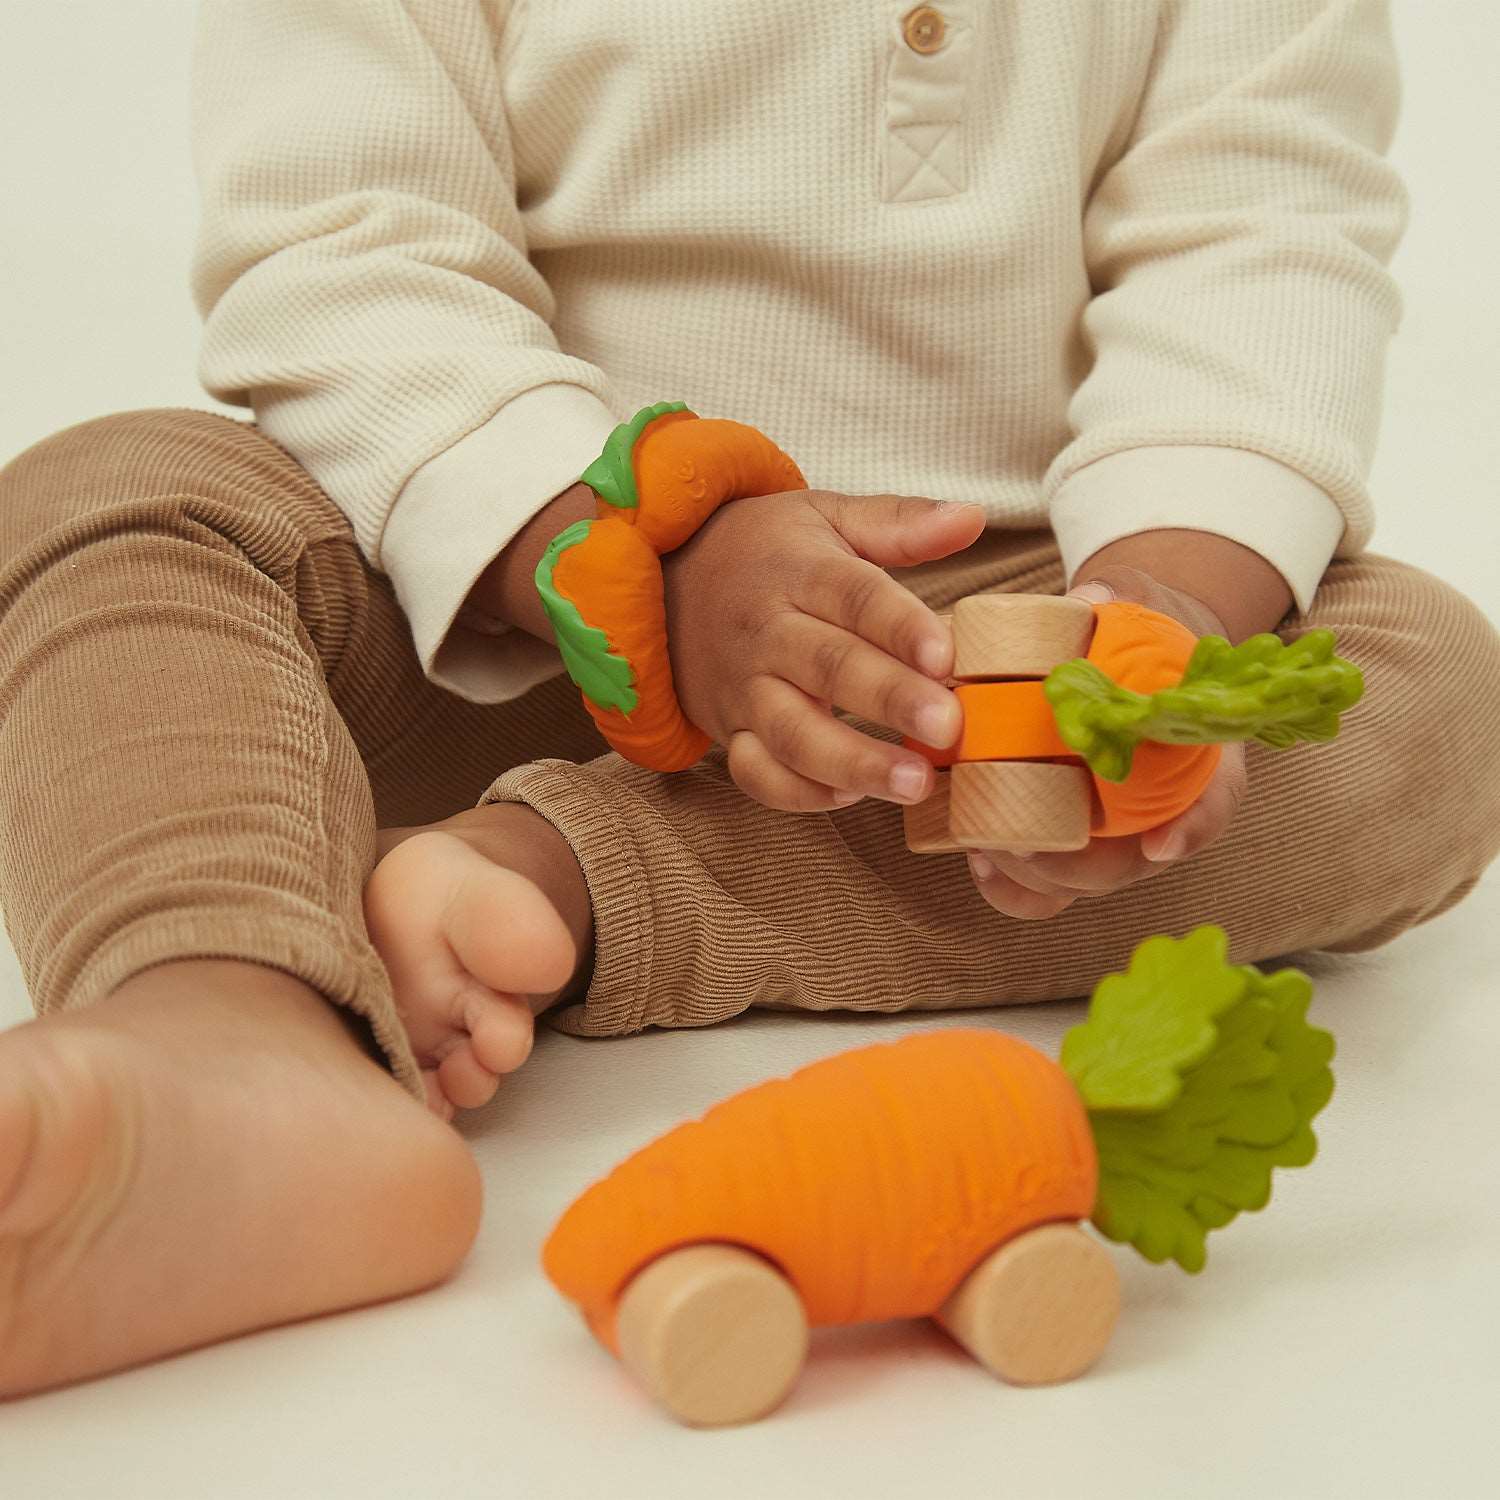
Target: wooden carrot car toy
{"type": "Point", "coordinates": [1095, 721]}
{"type": "Point", "coordinates": [945, 1175]}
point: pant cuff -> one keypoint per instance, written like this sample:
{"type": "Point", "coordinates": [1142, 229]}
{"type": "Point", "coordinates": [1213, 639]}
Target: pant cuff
{"type": "Point", "coordinates": [567, 797]}
{"type": "Point", "coordinates": [315, 953]}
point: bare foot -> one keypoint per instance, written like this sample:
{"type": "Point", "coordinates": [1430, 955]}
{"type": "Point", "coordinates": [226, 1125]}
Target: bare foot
{"type": "Point", "coordinates": [204, 1152]}
{"type": "Point", "coordinates": [483, 920]}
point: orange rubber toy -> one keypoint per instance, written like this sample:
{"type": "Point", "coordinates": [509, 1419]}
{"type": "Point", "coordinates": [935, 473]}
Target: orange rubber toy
{"type": "Point", "coordinates": [945, 1175]}
{"type": "Point", "coordinates": [660, 477]}
{"type": "Point", "coordinates": [1137, 648]}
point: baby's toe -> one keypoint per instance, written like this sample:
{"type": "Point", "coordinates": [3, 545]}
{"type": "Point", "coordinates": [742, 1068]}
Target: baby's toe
{"type": "Point", "coordinates": [465, 1081]}
{"type": "Point", "coordinates": [500, 1030]}
{"type": "Point", "coordinates": [499, 1040]}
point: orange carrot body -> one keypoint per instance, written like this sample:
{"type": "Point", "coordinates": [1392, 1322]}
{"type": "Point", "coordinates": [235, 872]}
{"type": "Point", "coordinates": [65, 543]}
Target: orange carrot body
{"type": "Point", "coordinates": [687, 466]}
{"type": "Point", "coordinates": [1145, 652]}
{"type": "Point", "coordinates": [617, 572]}
{"type": "Point", "coordinates": [875, 1179]}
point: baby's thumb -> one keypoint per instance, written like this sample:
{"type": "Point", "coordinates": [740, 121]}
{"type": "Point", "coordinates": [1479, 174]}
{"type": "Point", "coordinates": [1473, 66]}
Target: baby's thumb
{"type": "Point", "coordinates": [900, 531]}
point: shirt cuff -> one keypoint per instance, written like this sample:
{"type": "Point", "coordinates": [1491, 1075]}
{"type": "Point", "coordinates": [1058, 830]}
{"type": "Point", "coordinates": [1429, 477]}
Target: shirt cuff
{"type": "Point", "coordinates": [1233, 492]}
{"type": "Point", "coordinates": [456, 514]}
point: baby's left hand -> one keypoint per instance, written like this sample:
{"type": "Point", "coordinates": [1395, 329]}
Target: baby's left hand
{"type": "Point", "coordinates": [1037, 886]}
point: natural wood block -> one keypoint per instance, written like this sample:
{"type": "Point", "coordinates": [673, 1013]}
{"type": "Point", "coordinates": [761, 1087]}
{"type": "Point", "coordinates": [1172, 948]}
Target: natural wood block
{"type": "Point", "coordinates": [1040, 1309]}
{"type": "Point", "coordinates": [926, 822]}
{"type": "Point", "coordinates": [1019, 804]}
{"type": "Point", "coordinates": [1018, 635]}
{"type": "Point", "coordinates": [716, 1334]}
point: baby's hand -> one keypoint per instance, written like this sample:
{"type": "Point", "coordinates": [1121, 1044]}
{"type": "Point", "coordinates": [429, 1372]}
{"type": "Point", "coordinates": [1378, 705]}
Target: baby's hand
{"type": "Point", "coordinates": [779, 608]}
{"type": "Point", "coordinates": [1042, 885]}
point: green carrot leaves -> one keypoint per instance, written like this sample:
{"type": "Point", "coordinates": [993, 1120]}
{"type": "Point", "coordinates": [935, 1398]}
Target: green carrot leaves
{"type": "Point", "coordinates": [604, 677]}
{"type": "Point", "coordinates": [611, 476]}
{"type": "Point", "coordinates": [1262, 689]}
{"type": "Point", "coordinates": [1200, 1077]}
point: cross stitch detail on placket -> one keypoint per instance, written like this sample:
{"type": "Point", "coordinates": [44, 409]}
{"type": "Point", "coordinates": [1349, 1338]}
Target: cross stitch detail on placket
{"type": "Point", "coordinates": [929, 49]}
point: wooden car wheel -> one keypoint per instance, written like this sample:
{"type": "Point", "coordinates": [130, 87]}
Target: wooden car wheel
{"type": "Point", "coordinates": [1018, 635]}
{"type": "Point", "coordinates": [1040, 1309]}
{"type": "Point", "coordinates": [1019, 804]}
{"type": "Point", "coordinates": [715, 1333]}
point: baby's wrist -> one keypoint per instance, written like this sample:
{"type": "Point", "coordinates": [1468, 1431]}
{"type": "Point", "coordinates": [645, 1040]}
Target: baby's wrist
{"type": "Point", "coordinates": [1211, 584]}
{"type": "Point", "coordinates": [506, 590]}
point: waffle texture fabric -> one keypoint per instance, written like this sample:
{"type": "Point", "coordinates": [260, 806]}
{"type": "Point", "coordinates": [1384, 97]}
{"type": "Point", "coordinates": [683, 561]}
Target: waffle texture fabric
{"type": "Point", "coordinates": [1106, 268]}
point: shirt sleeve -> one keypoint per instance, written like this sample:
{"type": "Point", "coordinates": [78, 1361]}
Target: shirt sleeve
{"type": "Point", "coordinates": [1241, 307]}
{"type": "Point", "coordinates": [362, 274]}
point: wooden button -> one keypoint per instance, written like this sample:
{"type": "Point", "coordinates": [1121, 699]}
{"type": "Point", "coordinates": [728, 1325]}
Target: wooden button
{"type": "Point", "coordinates": [924, 28]}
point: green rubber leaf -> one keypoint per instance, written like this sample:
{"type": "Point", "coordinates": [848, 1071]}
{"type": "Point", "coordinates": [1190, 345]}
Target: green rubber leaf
{"type": "Point", "coordinates": [611, 476]}
{"type": "Point", "coordinates": [1188, 1134]}
{"type": "Point", "coordinates": [1146, 1025]}
{"type": "Point", "coordinates": [605, 679]}
{"type": "Point", "coordinates": [1263, 689]}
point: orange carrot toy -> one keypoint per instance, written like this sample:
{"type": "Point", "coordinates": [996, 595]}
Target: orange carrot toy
{"type": "Point", "coordinates": [1099, 721]}
{"type": "Point", "coordinates": [660, 477]}
{"type": "Point", "coordinates": [944, 1176]}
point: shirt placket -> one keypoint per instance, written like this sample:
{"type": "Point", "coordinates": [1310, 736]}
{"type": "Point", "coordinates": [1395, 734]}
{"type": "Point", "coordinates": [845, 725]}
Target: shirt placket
{"type": "Point", "coordinates": [929, 50]}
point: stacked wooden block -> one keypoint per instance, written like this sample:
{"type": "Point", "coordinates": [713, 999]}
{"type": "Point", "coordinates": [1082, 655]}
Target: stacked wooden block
{"type": "Point", "coordinates": [1010, 782]}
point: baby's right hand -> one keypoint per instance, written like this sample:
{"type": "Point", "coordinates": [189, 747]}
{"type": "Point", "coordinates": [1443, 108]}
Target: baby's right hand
{"type": "Point", "coordinates": [779, 608]}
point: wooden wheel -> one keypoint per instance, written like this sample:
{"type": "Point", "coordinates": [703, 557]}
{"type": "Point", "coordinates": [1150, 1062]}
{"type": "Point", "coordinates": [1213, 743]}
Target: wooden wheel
{"type": "Point", "coordinates": [1018, 635]}
{"type": "Point", "coordinates": [1040, 1309]}
{"type": "Point", "coordinates": [1019, 804]}
{"type": "Point", "coordinates": [715, 1333]}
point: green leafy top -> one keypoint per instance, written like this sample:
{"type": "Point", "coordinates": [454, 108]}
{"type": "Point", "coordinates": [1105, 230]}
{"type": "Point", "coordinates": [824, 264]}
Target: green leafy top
{"type": "Point", "coordinates": [1262, 689]}
{"type": "Point", "coordinates": [611, 476]}
{"type": "Point", "coordinates": [1199, 1077]}
{"type": "Point", "coordinates": [604, 678]}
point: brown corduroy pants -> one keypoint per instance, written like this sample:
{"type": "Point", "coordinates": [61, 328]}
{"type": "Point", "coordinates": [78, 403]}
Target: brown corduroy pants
{"type": "Point", "coordinates": [209, 703]}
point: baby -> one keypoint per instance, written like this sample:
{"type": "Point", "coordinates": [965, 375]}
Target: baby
{"type": "Point", "coordinates": [302, 823]}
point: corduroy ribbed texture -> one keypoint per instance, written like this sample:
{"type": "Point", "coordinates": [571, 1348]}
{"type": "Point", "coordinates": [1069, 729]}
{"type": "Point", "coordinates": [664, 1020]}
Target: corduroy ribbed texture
{"type": "Point", "coordinates": [1337, 846]}
{"type": "Point", "coordinates": [209, 702]}
{"type": "Point", "coordinates": [445, 245]}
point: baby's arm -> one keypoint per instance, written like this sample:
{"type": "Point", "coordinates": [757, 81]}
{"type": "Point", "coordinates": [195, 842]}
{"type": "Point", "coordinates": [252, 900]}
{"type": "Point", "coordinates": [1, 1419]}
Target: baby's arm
{"type": "Point", "coordinates": [1236, 244]}
{"type": "Point", "coordinates": [1242, 593]}
{"type": "Point", "coordinates": [362, 271]}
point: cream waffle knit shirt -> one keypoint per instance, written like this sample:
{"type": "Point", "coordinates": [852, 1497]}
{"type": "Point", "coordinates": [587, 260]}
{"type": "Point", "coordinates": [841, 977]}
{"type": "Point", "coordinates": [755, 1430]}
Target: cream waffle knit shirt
{"type": "Point", "coordinates": [1108, 265]}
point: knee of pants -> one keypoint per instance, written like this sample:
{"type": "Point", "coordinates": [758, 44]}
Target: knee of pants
{"type": "Point", "coordinates": [1432, 720]}
{"type": "Point", "coordinates": [196, 474]}
{"type": "Point", "coordinates": [156, 452]}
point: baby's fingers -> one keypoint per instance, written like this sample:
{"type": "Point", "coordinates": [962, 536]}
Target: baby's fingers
{"type": "Point", "coordinates": [865, 600]}
{"type": "Point", "coordinates": [837, 667]}
{"type": "Point", "coordinates": [760, 775]}
{"type": "Point", "coordinates": [800, 736]}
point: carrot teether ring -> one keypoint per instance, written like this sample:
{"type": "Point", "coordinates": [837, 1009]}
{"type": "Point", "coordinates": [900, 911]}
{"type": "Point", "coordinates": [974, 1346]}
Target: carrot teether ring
{"type": "Point", "coordinates": [945, 1176]}
{"type": "Point", "coordinates": [659, 478]}
{"type": "Point", "coordinates": [1103, 720]}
